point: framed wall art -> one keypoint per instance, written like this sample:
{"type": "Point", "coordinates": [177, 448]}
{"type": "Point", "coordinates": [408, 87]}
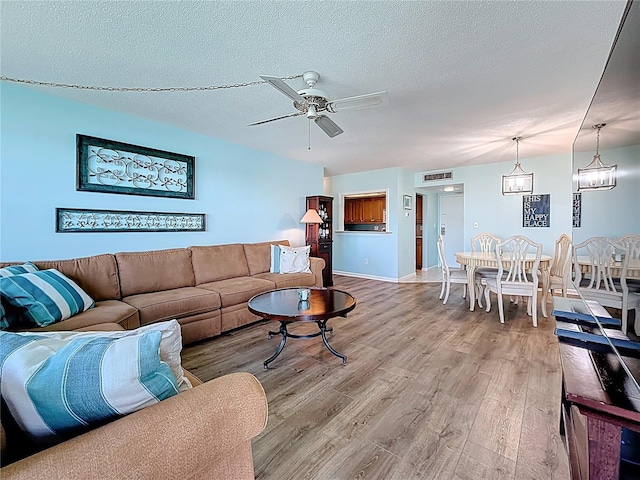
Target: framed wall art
{"type": "Point", "coordinates": [406, 202]}
{"type": "Point", "coordinates": [536, 210]}
{"type": "Point", "coordinates": [115, 167]}
{"type": "Point", "coordinates": [73, 220]}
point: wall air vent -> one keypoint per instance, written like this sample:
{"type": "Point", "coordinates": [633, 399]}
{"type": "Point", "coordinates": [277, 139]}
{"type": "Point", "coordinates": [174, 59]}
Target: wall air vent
{"type": "Point", "coordinates": [434, 177]}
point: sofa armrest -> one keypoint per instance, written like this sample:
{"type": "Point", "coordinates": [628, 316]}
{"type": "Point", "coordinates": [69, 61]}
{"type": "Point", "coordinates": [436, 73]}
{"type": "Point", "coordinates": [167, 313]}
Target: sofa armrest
{"type": "Point", "coordinates": [317, 265]}
{"type": "Point", "coordinates": [185, 436]}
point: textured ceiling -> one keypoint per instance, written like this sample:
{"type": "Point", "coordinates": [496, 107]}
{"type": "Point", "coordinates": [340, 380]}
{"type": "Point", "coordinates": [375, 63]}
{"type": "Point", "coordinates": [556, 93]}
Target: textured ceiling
{"type": "Point", "coordinates": [463, 77]}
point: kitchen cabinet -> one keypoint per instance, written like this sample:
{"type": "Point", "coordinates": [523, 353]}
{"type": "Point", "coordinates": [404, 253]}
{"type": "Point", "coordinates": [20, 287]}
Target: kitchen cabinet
{"type": "Point", "coordinates": [365, 210]}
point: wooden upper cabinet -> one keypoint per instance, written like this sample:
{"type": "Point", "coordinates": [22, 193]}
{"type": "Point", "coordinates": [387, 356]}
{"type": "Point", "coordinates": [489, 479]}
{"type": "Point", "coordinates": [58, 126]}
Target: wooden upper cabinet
{"type": "Point", "coordinates": [378, 205]}
{"type": "Point", "coordinates": [364, 210]}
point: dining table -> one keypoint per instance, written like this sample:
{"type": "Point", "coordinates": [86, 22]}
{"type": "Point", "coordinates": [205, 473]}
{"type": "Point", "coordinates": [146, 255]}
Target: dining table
{"type": "Point", "coordinates": [471, 261]}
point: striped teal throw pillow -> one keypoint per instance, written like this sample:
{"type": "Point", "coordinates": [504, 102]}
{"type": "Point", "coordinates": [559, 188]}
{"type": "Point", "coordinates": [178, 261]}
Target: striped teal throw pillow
{"type": "Point", "coordinates": [46, 296]}
{"type": "Point", "coordinates": [57, 389]}
{"type": "Point", "coordinates": [27, 267]}
{"type": "Point", "coordinates": [9, 315]}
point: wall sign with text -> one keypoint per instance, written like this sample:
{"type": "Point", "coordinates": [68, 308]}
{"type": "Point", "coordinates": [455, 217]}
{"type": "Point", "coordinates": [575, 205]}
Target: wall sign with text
{"type": "Point", "coordinates": [577, 209]}
{"type": "Point", "coordinates": [536, 210]}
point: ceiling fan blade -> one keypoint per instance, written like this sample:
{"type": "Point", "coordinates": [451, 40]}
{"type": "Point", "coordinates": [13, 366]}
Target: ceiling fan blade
{"type": "Point", "coordinates": [275, 118]}
{"type": "Point", "coordinates": [359, 101]}
{"type": "Point", "coordinates": [282, 87]}
{"type": "Point", "coordinates": [328, 126]}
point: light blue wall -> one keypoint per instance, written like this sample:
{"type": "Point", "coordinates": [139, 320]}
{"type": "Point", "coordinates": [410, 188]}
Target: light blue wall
{"type": "Point", "coordinates": [502, 215]}
{"type": "Point", "coordinates": [616, 212]}
{"type": "Point", "coordinates": [247, 195]}
{"type": "Point", "coordinates": [380, 249]}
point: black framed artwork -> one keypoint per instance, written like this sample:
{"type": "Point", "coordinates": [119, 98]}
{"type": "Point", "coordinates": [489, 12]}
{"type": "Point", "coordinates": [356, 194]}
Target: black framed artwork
{"type": "Point", "coordinates": [114, 167]}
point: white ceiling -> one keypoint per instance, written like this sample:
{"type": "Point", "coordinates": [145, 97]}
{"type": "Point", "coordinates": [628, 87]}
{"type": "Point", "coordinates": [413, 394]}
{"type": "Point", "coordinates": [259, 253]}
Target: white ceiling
{"type": "Point", "coordinates": [463, 77]}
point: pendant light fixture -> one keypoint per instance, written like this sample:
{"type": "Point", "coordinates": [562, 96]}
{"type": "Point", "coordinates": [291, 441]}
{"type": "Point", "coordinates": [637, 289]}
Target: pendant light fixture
{"type": "Point", "coordinates": [518, 181]}
{"type": "Point", "coordinates": [596, 175]}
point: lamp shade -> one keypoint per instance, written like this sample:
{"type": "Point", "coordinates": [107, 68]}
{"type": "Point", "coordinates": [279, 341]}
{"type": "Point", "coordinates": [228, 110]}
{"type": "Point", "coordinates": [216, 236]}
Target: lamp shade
{"type": "Point", "coordinates": [311, 216]}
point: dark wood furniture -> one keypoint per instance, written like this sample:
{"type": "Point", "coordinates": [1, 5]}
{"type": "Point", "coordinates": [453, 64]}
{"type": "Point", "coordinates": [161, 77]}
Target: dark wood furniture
{"type": "Point", "coordinates": [365, 210]}
{"type": "Point", "coordinates": [600, 404]}
{"type": "Point", "coordinates": [283, 305]}
{"type": "Point", "coordinates": [320, 236]}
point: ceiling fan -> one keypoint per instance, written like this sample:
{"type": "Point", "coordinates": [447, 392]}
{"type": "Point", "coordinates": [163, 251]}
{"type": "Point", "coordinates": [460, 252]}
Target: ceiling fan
{"type": "Point", "coordinates": [312, 102]}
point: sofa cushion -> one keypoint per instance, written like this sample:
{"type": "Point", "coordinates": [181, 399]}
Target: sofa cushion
{"type": "Point", "coordinates": [289, 280]}
{"type": "Point", "coordinates": [175, 303]}
{"type": "Point", "coordinates": [234, 291]}
{"type": "Point", "coordinates": [45, 296]}
{"type": "Point", "coordinates": [259, 255]}
{"type": "Point", "coordinates": [107, 311]}
{"type": "Point", "coordinates": [154, 271]}
{"type": "Point", "coordinates": [97, 275]}
{"type": "Point", "coordinates": [57, 389]}
{"type": "Point", "coordinates": [218, 262]}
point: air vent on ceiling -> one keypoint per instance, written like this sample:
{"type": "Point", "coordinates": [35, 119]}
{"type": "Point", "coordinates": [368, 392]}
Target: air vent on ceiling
{"type": "Point", "coordinates": [433, 177]}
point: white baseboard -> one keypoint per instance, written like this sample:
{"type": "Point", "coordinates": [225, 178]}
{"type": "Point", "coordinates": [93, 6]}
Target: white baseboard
{"type": "Point", "coordinates": [368, 277]}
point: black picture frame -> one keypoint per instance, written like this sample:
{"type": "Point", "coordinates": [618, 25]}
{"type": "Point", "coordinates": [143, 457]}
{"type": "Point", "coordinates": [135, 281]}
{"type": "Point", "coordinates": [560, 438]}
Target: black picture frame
{"type": "Point", "coordinates": [110, 166]}
{"type": "Point", "coordinates": [83, 220]}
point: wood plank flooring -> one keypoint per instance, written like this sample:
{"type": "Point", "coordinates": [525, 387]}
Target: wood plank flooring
{"type": "Point", "coordinates": [430, 391]}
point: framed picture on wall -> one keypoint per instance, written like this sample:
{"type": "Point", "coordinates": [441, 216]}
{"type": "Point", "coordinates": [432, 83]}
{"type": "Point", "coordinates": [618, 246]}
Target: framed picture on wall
{"type": "Point", "coordinates": [407, 202]}
{"type": "Point", "coordinates": [115, 167]}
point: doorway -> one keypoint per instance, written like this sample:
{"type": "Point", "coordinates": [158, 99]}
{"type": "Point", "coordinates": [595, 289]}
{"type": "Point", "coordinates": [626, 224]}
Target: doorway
{"type": "Point", "coordinates": [419, 209]}
{"type": "Point", "coordinates": [452, 225]}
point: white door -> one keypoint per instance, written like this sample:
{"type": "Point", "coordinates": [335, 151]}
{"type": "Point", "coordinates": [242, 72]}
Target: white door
{"type": "Point", "coordinates": [452, 226]}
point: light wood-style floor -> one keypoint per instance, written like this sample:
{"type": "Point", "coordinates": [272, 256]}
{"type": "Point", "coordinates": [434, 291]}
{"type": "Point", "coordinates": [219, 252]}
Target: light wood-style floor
{"type": "Point", "coordinates": [430, 391]}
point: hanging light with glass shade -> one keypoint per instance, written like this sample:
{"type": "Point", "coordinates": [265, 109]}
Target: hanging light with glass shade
{"type": "Point", "coordinates": [518, 181]}
{"type": "Point", "coordinates": [596, 175]}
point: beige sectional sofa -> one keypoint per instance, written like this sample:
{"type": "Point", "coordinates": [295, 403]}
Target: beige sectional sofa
{"type": "Point", "coordinates": [206, 288]}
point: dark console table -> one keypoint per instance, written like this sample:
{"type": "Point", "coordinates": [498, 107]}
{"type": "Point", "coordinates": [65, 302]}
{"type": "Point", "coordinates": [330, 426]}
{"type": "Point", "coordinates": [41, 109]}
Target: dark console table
{"type": "Point", "coordinates": [600, 405]}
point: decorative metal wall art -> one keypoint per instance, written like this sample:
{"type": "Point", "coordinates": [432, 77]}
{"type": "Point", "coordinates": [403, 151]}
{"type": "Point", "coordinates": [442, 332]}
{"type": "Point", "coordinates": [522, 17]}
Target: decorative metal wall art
{"type": "Point", "coordinates": [115, 167]}
{"type": "Point", "coordinates": [536, 210]}
{"type": "Point", "coordinates": [84, 220]}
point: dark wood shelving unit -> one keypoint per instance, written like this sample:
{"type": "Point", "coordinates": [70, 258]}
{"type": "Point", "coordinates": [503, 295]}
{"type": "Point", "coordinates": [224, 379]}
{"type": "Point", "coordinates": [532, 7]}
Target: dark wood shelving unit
{"type": "Point", "coordinates": [320, 236]}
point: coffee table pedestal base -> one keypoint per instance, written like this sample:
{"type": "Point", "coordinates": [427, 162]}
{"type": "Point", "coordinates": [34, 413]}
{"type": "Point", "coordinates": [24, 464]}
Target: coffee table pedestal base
{"type": "Point", "coordinates": [322, 325]}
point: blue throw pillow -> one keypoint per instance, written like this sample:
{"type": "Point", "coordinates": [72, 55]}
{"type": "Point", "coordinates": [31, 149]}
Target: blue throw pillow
{"type": "Point", "coordinates": [57, 388]}
{"type": "Point", "coordinates": [275, 259]}
{"type": "Point", "coordinates": [10, 317]}
{"type": "Point", "coordinates": [27, 267]}
{"type": "Point", "coordinates": [46, 296]}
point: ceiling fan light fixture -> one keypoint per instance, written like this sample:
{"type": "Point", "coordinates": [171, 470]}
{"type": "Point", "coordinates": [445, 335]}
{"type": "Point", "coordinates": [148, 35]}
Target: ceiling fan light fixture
{"type": "Point", "coordinates": [517, 182]}
{"type": "Point", "coordinates": [596, 175]}
{"type": "Point", "coordinates": [312, 114]}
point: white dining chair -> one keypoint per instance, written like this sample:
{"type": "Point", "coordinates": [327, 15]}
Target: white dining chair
{"type": "Point", "coordinates": [450, 275]}
{"type": "Point", "coordinates": [560, 271]}
{"type": "Point", "coordinates": [512, 278]}
{"type": "Point", "coordinates": [485, 243]}
{"type": "Point", "coordinates": [601, 278]}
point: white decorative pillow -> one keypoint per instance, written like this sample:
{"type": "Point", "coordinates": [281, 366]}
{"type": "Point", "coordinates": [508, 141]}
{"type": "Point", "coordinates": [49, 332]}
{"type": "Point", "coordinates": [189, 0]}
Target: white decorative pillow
{"type": "Point", "coordinates": [56, 389]}
{"type": "Point", "coordinates": [170, 344]}
{"type": "Point", "coordinates": [275, 259]}
{"type": "Point", "coordinates": [294, 259]}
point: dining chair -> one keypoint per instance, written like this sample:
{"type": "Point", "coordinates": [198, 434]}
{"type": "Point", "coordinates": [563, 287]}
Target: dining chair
{"type": "Point", "coordinates": [600, 265]}
{"type": "Point", "coordinates": [560, 271]}
{"type": "Point", "coordinates": [632, 242]}
{"type": "Point", "coordinates": [450, 275]}
{"type": "Point", "coordinates": [485, 243]}
{"type": "Point", "coordinates": [513, 278]}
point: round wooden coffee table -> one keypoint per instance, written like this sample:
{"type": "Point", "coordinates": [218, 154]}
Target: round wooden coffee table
{"type": "Point", "coordinates": [284, 306]}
